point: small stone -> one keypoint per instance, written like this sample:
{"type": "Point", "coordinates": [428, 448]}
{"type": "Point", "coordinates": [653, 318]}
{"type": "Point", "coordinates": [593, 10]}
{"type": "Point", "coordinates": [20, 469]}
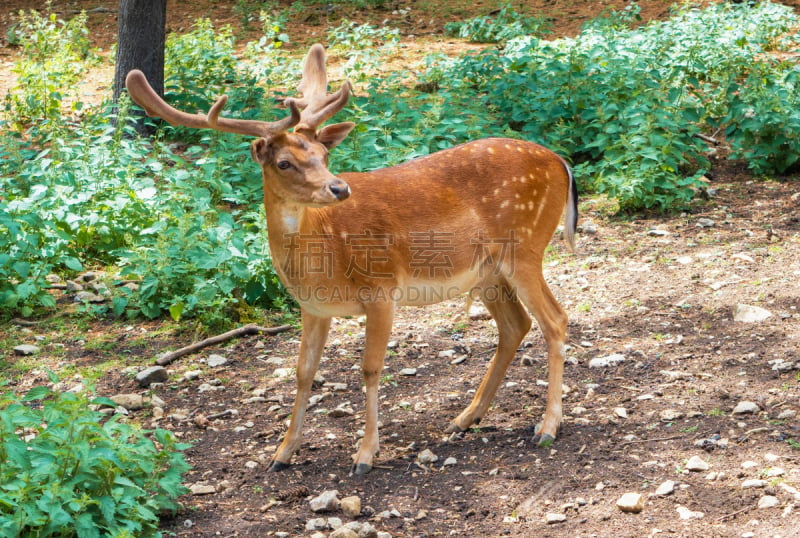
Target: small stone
{"type": "Point", "coordinates": [744, 408]}
{"type": "Point", "coordinates": [657, 233]}
{"type": "Point", "coordinates": [551, 518]}
{"type": "Point", "coordinates": [621, 412]}
{"type": "Point", "coordinates": [685, 514]}
{"type": "Point", "coordinates": [342, 411]}
{"type": "Point", "coordinates": [750, 314]}
{"type": "Point", "coordinates": [754, 483]}
{"type": "Point", "coordinates": [215, 361]}
{"type": "Point", "coordinates": [631, 502]}
{"type": "Point", "coordinates": [665, 488]}
{"type": "Point", "coordinates": [408, 371]}
{"type": "Point", "coordinates": [669, 415]}
{"type": "Point", "coordinates": [696, 464]}
{"type": "Point", "coordinates": [316, 524]}
{"type": "Point", "coordinates": [202, 489]}
{"type": "Point", "coordinates": [351, 506]}
{"type": "Point", "coordinates": [154, 374]}
{"type": "Point", "coordinates": [450, 461]}
{"type": "Point", "coordinates": [189, 375]}
{"type": "Point", "coordinates": [705, 223]}
{"type": "Point", "coordinates": [426, 456]}
{"type": "Point", "coordinates": [131, 402]}
{"type": "Point", "coordinates": [327, 501]}
{"type": "Point", "coordinates": [768, 501]}
{"type": "Point", "coordinates": [772, 472]}
{"type": "Point", "coordinates": [447, 354]}
{"type": "Point", "coordinates": [343, 532]}
{"type": "Point", "coordinates": [283, 373]}
{"type": "Point", "coordinates": [787, 414]}
{"type": "Point", "coordinates": [604, 362]}
{"type": "Point", "coordinates": [478, 312]}
{"type": "Point", "coordinates": [26, 349]}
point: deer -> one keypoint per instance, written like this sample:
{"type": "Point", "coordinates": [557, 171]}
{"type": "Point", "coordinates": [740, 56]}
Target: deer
{"type": "Point", "coordinates": [474, 219]}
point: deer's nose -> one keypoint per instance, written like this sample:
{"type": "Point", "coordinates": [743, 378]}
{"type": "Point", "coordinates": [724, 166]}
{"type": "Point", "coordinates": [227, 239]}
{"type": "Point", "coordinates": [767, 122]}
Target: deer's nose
{"type": "Point", "coordinates": [339, 189]}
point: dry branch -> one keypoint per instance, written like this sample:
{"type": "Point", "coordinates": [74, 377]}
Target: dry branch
{"type": "Point", "coordinates": [250, 328]}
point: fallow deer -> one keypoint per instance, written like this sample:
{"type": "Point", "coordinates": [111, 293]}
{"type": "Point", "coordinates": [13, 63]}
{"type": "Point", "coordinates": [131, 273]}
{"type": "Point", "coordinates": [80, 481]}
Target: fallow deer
{"type": "Point", "coordinates": [475, 219]}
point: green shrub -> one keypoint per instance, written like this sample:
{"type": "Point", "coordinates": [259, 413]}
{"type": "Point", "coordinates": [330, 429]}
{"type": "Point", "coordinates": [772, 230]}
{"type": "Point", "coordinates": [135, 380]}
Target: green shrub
{"type": "Point", "coordinates": [506, 25]}
{"type": "Point", "coordinates": [54, 56]}
{"type": "Point", "coordinates": [66, 470]}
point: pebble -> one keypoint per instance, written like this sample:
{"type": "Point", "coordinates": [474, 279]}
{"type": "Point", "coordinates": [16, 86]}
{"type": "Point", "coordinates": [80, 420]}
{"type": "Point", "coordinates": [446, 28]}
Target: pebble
{"type": "Point", "coordinates": [26, 349]}
{"type": "Point", "coordinates": [668, 415]}
{"type": "Point", "coordinates": [621, 412]}
{"type": "Point", "coordinates": [665, 488]}
{"type": "Point", "coordinates": [750, 314]}
{"type": "Point", "coordinates": [604, 362]}
{"type": "Point", "coordinates": [408, 371]}
{"type": "Point", "coordinates": [696, 464]}
{"type": "Point", "coordinates": [552, 518]}
{"type": "Point", "coordinates": [344, 532]}
{"type": "Point", "coordinates": [768, 501]}
{"type": "Point", "coordinates": [131, 402]}
{"type": "Point", "coordinates": [450, 461]}
{"type": "Point", "coordinates": [327, 501]}
{"type": "Point", "coordinates": [684, 513]}
{"type": "Point", "coordinates": [215, 361]}
{"type": "Point", "coordinates": [283, 372]}
{"type": "Point", "coordinates": [657, 233]}
{"type": "Point", "coordinates": [478, 312]}
{"type": "Point", "coordinates": [745, 407]}
{"type": "Point", "coordinates": [202, 489]}
{"type": "Point", "coordinates": [351, 506]}
{"type": "Point", "coordinates": [705, 223]}
{"type": "Point", "coordinates": [426, 456]}
{"type": "Point", "coordinates": [316, 524]}
{"type": "Point", "coordinates": [631, 502]}
{"type": "Point", "coordinates": [154, 374]}
{"type": "Point", "coordinates": [754, 483]}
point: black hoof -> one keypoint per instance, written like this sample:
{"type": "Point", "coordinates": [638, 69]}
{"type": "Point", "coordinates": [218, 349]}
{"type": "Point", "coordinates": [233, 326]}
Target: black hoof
{"type": "Point", "coordinates": [361, 469]}
{"type": "Point", "coordinates": [277, 466]}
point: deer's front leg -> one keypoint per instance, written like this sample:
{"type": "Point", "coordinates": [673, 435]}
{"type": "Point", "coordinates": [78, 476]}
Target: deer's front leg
{"type": "Point", "coordinates": [379, 329]}
{"type": "Point", "coordinates": [315, 332]}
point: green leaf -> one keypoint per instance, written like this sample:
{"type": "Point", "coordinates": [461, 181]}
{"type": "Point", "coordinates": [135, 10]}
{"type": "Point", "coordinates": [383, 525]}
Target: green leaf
{"type": "Point", "coordinates": [36, 393]}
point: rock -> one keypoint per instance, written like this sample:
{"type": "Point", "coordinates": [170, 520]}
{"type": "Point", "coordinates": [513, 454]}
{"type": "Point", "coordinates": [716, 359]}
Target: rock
{"type": "Point", "coordinates": [551, 518]}
{"type": "Point", "coordinates": [283, 372]}
{"type": "Point", "coordinates": [744, 408]}
{"type": "Point", "coordinates": [772, 472]}
{"type": "Point", "coordinates": [631, 502]}
{"type": "Point", "coordinates": [343, 410]}
{"type": "Point", "coordinates": [215, 361]}
{"type": "Point", "coordinates": [478, 312]}
{"type": "Point", "coordinates": [316, 524]}
{"type": "Point", "coordinates": [604, 362]}
{"type": "Point", "coordinates": [89, 297]}
{"type": "Point", "coordinates": [327, 501]}
{"type": "Point", "coordinates": [665, 488]}
{"type": "Point", "coordinates": [191, 374]}
{"type": "Point", "coordinates": [768, 501]}
{"type": "Point", "coordinates": [669, 415]}
{"type": "Point", "coordinates": [351, 506]}
{"type": "Point", "coordinates": [705, 223]}
{"type": "Point", "coordinates": [202, 489]}
{"type": "Point", "coordinates": [131, 402]}
{"type": "Point", "coordinates": [750, 314]}
{"type": "Point", "coordinates": [450, 461]}
{"type": "Point", "coordinates": [26, 349]}
{"type": "Point", "coordinates": [447, 354]}
{"type": "Point", "coordinates": [657, 233]}
{"type": "Point", "coordinates": [408, 371]}
{"type": "Point", "coordinates": [787, 414]}
{"type": "Point", "coordinates": [426, 456]}
{"type": "Point", "coordinates": [696, 464]}
{"type": "Point", "coordinates": [684, 513]}
{"type": "Point", "coordinates": [754, 483]}
{"type": "Point", "coordinates": [154, 374]}
{"type": "Point", "coordinates": [621, 412]}
{"type": "Point", "coordinates": [343, 532]}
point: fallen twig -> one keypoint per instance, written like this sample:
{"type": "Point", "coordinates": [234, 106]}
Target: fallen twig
{"type": "Point", "coordinates": [736, 513]}
{"type": "Point", "coordinates": [24, 322]}
{"type": "Point", "coordinates": [250, 328]}
{"type": "Point", "coordinates": [651, 440]}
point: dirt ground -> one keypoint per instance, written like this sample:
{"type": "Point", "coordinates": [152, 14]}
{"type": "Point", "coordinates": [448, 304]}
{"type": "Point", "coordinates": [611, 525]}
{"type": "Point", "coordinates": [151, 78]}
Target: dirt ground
{"type": "Point", "coordinates": [655, 293]}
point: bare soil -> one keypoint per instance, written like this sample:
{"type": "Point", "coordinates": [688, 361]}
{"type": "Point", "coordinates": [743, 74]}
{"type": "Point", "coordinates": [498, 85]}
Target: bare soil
{"type": "Point", "coordinates": [664, 300]}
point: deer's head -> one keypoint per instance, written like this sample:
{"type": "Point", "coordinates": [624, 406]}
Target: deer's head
{"type": "Point", "coordinates": [293, 151]}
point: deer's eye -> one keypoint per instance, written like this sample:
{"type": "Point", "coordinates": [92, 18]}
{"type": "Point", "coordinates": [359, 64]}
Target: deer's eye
{"type": "Point", "coordinates": [284, 165]}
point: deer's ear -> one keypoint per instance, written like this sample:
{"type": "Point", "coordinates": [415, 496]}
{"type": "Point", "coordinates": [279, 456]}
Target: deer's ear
{"type": "Point", "coordinates": [261, 151]}
{"type": "Point", "coordinates": [331, 136]}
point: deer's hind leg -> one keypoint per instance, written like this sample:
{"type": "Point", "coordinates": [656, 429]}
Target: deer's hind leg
{"type": "Point", "coordinates": [532, 290]}
{"type": "Point", "coordinates": [513, 324]}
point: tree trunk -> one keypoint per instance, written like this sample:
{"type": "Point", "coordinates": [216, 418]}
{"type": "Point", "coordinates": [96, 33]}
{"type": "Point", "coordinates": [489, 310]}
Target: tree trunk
{"type": "Point", "coordinates": [140, 43]}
